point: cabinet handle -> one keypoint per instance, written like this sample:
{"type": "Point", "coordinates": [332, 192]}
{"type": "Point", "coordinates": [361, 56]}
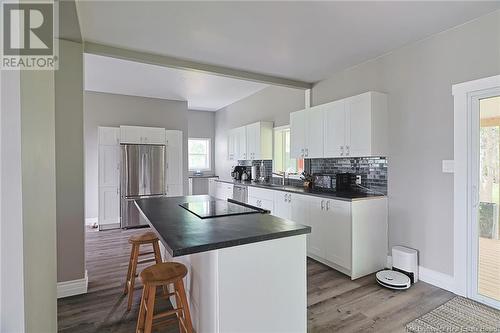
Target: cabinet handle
{"type": "Point", "coordinates": [322, 204]}
{"type": "Point", "coordinates": [289, 198]}
{"type": "Point", "coordinates": [302, 152]}
{"type": "Point", "coordinates": [307, 152]}
{"type": "Point", "coordinates": [341, 150]}
{"type": "Point", "coordinates": [348, 151]}
{"type": "Point", "coordinates": [327, 205]}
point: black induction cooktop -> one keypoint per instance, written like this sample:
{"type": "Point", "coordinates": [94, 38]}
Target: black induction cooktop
{"type": "Point", "coordinates": [217, 208]}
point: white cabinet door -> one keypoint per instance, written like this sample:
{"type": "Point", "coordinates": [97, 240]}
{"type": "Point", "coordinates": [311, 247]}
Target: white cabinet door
{"type": "Point", "coordinates": [314, 132]}
{"type": "Point", "coordinates": [297, 134]}
{"type": "Point", "coordinates": [212, 187]}
{"type": "Point", "coordinates": [153, 135]}
{"type": "Point", "coordinates": [231, 145]}
{"type": "Point", "coordinates": [109, 205]}
{"type": "Point", "coordinates": [173, 166]}
{"type": "Point", "coordinates": [335, 129]}
{"type": "Point", "coordinates": [131, 134]}
{"type": "Point", "coordinates": [317, 216]}
{"type": "Point", "coordinates": [142, 135]}
{"type": "Point", "coordinates": [261, 203]}
{"type": "Point", "coordinates": [282, 204]}
{"type": "Point", "coordinates": [300, 213]}
{"type": "Point", "coordinates": [253, 141]}
{"type": "Point", "coordinates": [109, 135]}
{"type": "Point", "coordinates": [338, 238]}
{"type": "Point", "coordinates": [359, 125]}
{"type": "Point", "coordinates": [241, 143]}
{"type": "Point", "coordinates": [109, 165]}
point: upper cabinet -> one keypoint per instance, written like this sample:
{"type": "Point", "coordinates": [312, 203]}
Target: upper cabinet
{"type": "Point", "coordinates": [251, 142]}
{"type": "Point", "coordinates": [353, 127]}
{"type": "Point", "coordinates": [306, 133]}
{"type": "Point", "coordinates": [142, 135]}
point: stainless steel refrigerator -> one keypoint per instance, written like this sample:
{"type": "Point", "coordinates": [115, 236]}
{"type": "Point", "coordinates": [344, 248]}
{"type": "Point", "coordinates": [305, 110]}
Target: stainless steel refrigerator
{"type": "Point", "coordinates": [142, 175]}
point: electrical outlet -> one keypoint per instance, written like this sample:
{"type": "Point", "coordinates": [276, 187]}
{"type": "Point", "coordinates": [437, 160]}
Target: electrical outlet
{"type": "Point", "coordinates": [358, 179]}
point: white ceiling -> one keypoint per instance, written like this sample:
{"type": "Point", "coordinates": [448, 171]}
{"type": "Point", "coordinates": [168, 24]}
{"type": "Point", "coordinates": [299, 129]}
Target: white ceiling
{"type": "Point", "coordinates": [202, 91]}
{"type": "Point", "coordinates": [300, 40]}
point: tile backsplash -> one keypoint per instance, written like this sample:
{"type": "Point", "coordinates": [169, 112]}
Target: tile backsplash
{"type": "Point", "coordinates": [268, 165]}
{"type": "Point", "coordinates": [373, 170]}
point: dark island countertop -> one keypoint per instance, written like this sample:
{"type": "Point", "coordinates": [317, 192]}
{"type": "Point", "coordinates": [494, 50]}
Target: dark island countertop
{"type": "Point", "coordinates": [182, 232]}
{"type": "Point", "coordinates": [344, 196]}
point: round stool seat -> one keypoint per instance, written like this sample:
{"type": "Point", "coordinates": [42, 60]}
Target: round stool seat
{"type": "Point", "coordinates": [163, 273]}
{"type": "Point", "coordinates": [145, 238]}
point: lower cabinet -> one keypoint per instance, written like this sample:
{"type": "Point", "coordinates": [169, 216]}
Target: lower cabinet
{"type": "Point", "coordinates": [282, 204]}
{"type": "Point", "coordinates": [223, 190]}
{"type": "Point", "coordinates": [348, 236]}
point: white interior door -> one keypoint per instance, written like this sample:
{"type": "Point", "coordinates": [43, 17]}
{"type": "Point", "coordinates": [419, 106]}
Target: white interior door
{"type": "Point", "coordinates": [484, 225]}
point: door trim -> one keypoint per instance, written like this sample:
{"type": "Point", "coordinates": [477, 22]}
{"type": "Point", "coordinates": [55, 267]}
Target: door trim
{"type": "Point", "coordinates": [463, 94]}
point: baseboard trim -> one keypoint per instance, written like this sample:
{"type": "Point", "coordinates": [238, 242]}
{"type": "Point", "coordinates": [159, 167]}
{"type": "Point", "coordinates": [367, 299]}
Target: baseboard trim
{"type": "Point", "coordinates": [73, 287]}
{"type": "Point", "coordinates": [437, 279]}
{"type": "Point", "coordinates": [91, 220]}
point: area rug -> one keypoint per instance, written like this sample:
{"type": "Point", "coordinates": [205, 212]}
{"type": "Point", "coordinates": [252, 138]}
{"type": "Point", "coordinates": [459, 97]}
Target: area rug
{"type": "Point", "coordinates": [458, 315]}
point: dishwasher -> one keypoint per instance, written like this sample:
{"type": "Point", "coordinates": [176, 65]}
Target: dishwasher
{"type": "Point", "coordinates": [240, 193]}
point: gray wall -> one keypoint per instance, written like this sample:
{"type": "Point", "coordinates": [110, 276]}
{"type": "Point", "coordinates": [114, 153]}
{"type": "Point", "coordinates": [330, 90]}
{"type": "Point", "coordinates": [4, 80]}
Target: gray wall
{"type": "Point", "coordinates": [39, 200]}
{"type": "Point", "coordinates": [201, 124]}
{"type": "Point", "coordinates": [269, 104]}
{"type": "Point", "coordinates": [69, 162]}
{"type": "Point", "coordinates": [418, 79]}
{"type": "Point", "coordinates": [101, 109]}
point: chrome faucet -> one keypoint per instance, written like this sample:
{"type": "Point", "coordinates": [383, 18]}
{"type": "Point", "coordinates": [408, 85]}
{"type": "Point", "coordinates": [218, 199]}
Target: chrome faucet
{"type": "Point", "coordinates": [283, 177]}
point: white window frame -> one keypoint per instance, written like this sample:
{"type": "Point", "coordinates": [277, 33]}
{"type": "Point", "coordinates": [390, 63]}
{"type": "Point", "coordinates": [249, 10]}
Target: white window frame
{"type": "Point", "coordinates": [209, 155]}
{"type": "Point", "coordinates": [280, 128]}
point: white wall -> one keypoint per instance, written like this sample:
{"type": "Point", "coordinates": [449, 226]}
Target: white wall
{"type": "Point", "coordinates": [201, 124]}
{"type": "Point", "coordinates": [101, 109]}
{"type": "Point", "coordinates": [11, 224]}
{"type": "Point", "coordinates": [270, 104]}
{"type": "Point", "coordinates": [418, 79]}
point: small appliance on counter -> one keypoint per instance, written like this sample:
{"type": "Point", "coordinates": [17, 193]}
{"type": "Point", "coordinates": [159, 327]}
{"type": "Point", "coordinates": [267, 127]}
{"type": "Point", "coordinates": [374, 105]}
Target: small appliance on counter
{"type": "Point", "coordinates": [254, 172]}
{"type": "Point", "coordinates": [344, 182]}
{"type": "Point", "coordinates": [238, 171]}
{"type": "Point", "coordinates": [323, 182]}
{"type": "Point", "coordinates": [404, 270]}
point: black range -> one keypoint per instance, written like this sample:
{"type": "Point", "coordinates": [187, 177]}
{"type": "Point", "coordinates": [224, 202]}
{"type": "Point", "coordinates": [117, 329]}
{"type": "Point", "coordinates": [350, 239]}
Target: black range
{"type": "Point", "coordinates": [182, 232]}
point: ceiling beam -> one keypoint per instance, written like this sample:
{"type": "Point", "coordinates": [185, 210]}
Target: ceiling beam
{"type": "Point", "coordinates": [171, 62]}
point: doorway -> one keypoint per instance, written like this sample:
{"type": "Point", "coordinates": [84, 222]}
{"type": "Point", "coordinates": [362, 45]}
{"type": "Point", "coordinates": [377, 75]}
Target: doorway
{"type": "Point", "coordinates": [484, 224]}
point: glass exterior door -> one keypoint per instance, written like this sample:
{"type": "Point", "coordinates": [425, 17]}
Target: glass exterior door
{"type": "Point", "coordinates": [486, 225]}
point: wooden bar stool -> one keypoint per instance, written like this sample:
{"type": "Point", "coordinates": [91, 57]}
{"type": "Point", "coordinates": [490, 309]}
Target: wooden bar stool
{"type": "Point", "coordinates": [164, 274]}
{"type": "Point", "coordinates": [137, 241]}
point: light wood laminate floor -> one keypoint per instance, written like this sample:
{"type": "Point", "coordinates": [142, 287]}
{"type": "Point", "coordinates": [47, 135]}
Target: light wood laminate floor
{"type": "Point", "coordinates": [335, 303]}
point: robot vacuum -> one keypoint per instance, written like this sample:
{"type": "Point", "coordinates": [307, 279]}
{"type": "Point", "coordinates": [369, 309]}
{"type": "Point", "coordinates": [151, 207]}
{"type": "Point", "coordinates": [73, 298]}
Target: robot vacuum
{"type": "Point", "coordinates": [404, 270]}
{"type": "Point", "coordinates": [393, 280]}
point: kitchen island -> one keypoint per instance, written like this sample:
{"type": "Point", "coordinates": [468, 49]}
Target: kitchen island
{"type": "Point", "coordinates": [247, 273]}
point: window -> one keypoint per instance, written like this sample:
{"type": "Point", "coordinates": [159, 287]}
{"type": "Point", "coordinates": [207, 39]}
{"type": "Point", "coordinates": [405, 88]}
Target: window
{"type": "Point", "coordinates": [199, 154]}
{"type": "Point", "coordinates": [282, 162]}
